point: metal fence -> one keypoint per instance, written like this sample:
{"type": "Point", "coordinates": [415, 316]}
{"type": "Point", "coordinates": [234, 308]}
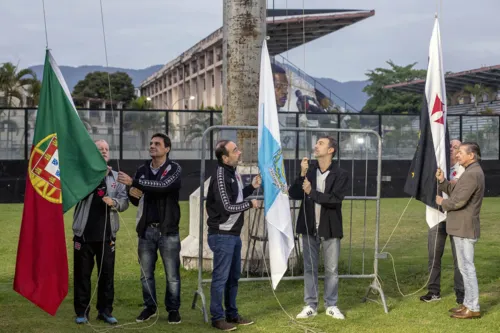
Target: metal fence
{"type": "Point", "coordinates": [128, 132]}
{"type": "Point", "coordinates": [365, 251]}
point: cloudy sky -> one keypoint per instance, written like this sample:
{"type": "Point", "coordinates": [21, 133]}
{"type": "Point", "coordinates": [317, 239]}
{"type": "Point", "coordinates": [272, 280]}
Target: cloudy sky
{"type": "Point", "coordinates": [148, 32]}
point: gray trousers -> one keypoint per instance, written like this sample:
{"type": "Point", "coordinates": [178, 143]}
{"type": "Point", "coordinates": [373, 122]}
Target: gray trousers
{"type": "Point", "coordinates": [439, 232]}
{"type": "Point", "coordinates": [331, 254]}
{"type": "Point", "coordinates": [465, 256]}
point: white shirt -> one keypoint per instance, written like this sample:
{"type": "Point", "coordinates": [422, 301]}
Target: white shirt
{"type": "Point", "coordinates": [320, 187]}
{"type": "Point", "coordinates": [456, 171]}
{"type": "Point", "coordinates": [240, 188]}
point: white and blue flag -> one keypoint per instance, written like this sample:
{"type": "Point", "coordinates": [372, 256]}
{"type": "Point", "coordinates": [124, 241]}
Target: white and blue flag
{"type": "Point", "coordinates": [276, 201]}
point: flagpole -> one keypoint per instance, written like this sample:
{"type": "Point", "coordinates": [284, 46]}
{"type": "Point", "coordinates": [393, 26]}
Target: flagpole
{"type": "Point", "coordinates": [45, 23]}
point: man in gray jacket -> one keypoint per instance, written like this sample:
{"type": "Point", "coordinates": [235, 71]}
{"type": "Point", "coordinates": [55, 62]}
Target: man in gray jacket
{"type": "Point", "coordinates": [463, 208]}
{"type": "Point", "coordinates": [95, 223]}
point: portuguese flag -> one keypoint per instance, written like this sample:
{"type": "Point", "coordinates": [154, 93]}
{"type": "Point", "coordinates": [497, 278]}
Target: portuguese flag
{"type": "Point", "coordinates": [64, 166]}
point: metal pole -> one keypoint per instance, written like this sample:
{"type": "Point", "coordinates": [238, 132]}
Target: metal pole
{"type": "Point", "coordinates": [120, 139]}
{"type": "Point", "coordinates": [211, 136]}
{"type": "Point", "coordinates": [292, 278]}
{"type": "Point", "coordinates": [26, 135]}
{"type": "Point", "coordinates": [460, 129]}
{"type": "Point", "coordinates": [199, 292]}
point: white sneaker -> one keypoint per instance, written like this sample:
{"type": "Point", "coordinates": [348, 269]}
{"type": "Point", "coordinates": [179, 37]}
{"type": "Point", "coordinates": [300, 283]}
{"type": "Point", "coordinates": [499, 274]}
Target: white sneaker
{"type": "Point", "coordinates": [307, 312]}
{"type": "Point", "coordinates": [334, 312]}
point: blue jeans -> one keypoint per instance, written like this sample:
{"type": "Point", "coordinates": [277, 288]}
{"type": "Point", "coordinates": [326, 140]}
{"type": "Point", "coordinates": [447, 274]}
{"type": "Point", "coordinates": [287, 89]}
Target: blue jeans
{"type": "Point", "coordinates": [169, 247]}
{"type": "Point", "coordinates": [225, 275]}
{"type": "Point", "coordinates": [465, 257]}
{"type": "Point", "coordinates": [331, 254]}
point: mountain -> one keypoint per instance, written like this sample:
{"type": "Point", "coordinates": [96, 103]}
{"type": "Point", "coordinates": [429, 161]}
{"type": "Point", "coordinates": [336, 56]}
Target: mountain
{"type": "Point", "coordinates": [74, 74]}
{"type": "Point", "coordinates": [351, 91]}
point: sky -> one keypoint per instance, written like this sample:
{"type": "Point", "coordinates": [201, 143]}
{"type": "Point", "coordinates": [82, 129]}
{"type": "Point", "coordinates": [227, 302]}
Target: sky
{"type": "Point", "coordinates": [143, 33]}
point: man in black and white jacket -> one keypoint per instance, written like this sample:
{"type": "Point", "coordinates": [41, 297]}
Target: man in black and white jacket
{"type": "Point", "coordinates": [158, 215]}
{"type": "Point", "coordinates": [322, 187]}
{"type": "Point", "coordinates": [225, 208]}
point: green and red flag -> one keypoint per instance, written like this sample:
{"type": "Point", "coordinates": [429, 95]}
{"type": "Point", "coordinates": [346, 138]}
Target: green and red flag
{"type": "Point", "coordinates": [64, 166]}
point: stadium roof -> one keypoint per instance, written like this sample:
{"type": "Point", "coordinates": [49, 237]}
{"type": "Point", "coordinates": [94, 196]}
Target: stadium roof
{"type": "Point", "coordinates": [287, 29]}
{"type": "Point", "coordinates": [292, 31]}
{"type": "Point", "coordinates": [489, 76]}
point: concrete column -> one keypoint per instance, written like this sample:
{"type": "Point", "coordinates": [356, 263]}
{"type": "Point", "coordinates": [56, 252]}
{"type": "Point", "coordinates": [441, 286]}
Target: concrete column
{"type": "Point", "coordinates": [244, 30]}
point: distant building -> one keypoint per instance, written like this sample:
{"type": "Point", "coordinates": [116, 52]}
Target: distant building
{"type": "Point", "coordinates": [197, 72]}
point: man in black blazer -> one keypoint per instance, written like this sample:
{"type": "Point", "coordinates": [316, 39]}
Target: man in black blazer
{"type": "Point", "coordinates": [321, 186]}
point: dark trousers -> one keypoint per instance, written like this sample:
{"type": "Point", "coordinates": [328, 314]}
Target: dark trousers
{"type": "Point", "coordinates": [169, 247]}
{"type": "Point", "coordinates": [84, 254]}
{"type": "Point", "coordinates": [439, 232]}
{"type": "Point", "coordinates": [225, 275]}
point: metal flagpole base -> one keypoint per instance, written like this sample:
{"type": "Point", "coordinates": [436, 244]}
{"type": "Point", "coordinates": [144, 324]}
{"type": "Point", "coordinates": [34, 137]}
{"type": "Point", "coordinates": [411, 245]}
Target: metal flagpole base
{"type": "Point", "coordinates": [203, 308]}
{"type": "Point", "coordinates": [375, 285]}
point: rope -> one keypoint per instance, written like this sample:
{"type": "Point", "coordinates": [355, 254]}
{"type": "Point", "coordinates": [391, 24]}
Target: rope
{"type": "Point", "coordinates": [96, 328]}
{"type": "Point", "coordinates": [124, 326]}
{"type": "Point", "coordinates": [315, 286]}
{"type": "Point", "coordinates": [292, 320]}
{"type": "Point", "coordinates": [109, 79]}
{"type": "Point", "coordinates": [119, 215]}
{"type": "Point", "coordinates": [392, 258]}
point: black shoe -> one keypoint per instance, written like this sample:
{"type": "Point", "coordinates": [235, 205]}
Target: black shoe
{"type": "Point", "coordinates": [174, 317]}
{"type": "Point", "coordinates": [146, 314]}
{"type": "Point", "coordinates": [430, 297]}
{"type": "Point", "coordinates": [223, 325]}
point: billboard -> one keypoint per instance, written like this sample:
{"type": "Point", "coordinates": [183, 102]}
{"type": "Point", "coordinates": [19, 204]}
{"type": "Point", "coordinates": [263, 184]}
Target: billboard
{"type": "Point", "coordinates": [295, 92]}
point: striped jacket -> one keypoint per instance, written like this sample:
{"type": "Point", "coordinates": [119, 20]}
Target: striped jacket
{"type": "Point", "coordinates": [225, 203]}
{"type": "Point", "coordinates": [165, 193]}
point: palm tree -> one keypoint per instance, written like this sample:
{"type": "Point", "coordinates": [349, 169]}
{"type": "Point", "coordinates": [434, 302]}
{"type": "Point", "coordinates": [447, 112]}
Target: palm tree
{"type": "Point", "coordinates": [142, 121]}
{"type": "Point", "coordinates": [33, 91]}
{"type": "Point", "coordinates": [198, 123]}
{"type": "Point", "coordinates": [12, 82]}
{"type": "Point", "coordinates": [86, 121]}
{"type": "Point", "coordinates": [477, 91]}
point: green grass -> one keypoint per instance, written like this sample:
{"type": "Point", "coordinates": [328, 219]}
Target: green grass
{"type": "Point", "coordinates": [256, 301]}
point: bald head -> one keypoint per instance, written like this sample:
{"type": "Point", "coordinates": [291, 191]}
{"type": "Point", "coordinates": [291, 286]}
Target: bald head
{"type": "Point", "coordinates": [454, 147]}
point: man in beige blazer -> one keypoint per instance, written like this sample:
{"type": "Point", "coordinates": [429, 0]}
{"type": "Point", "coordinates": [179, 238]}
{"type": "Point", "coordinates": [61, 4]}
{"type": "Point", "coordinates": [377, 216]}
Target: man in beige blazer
{"type": "Point", "coordinates": [463, 207]}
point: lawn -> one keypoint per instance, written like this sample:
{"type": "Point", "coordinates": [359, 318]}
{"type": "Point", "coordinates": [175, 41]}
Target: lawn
{"type": "Point", "coordinates": [406, 314]}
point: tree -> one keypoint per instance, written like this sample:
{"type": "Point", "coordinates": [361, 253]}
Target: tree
{"type": "Point", "coordinates": [142, 121]}
{"type": "Point", "coordinates": [140, 103]}
{"type": "Point", "coordinates": [198, 123]}
{"type": "Point", "coordinates": [33, 91]}
{"type": "Point", "coordinates": [389, 101]}
{"type": "Point", "coordinates": [96, 85]}
{"type": "Point", "coordinates": [478, 91]}
{"type": "Point", "coordinates": [85, 120]}
{"type": "Point", "coordinates": [13, 82]}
